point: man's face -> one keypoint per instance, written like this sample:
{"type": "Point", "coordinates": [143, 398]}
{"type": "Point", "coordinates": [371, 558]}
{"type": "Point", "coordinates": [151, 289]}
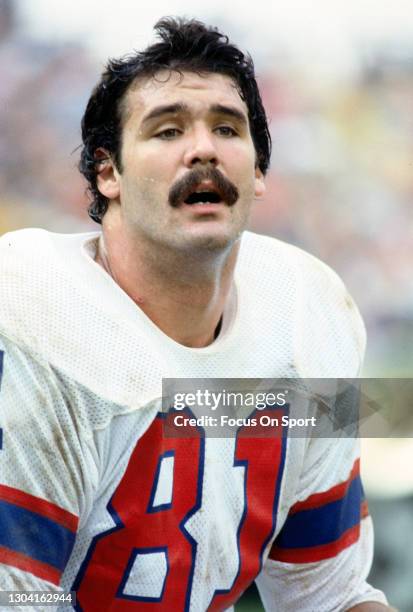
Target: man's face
{"type": "Point", "coordinates": [189, 173]}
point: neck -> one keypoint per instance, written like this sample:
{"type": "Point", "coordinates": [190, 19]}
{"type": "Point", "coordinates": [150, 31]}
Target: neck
{"type": "Point", "coordinates": [182, 293]}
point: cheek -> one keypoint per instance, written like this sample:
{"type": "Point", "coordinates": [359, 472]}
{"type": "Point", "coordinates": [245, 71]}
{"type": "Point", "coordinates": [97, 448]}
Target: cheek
{"type": "Point", "coordinates": [243, 159]}
{"type": "Point", "coordinates": [143, 189]}
{"type": "Point", "coordinates": [244, 174]}
{"type": "Point", "coordinates": [150, 170]}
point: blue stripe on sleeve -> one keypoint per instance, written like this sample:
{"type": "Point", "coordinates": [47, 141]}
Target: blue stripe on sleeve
{"type": "Point", "coordinates": [324, 524]}
{"type": "Point", "coordinates": [34, 535]}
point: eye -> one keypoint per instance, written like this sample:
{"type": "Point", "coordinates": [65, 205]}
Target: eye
{"type": "Point", "coordinates": [226, 130]}
{"type": "Point", "coordinates": [168, 134]}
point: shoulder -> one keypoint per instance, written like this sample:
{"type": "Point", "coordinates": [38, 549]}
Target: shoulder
{"type": "Point", "coordinates": [36, 283]}
{"type": "Point", "coordinates": [328, 331]}
{"type": "Point", "coordinates": [37, 268]}
{"type": "Point", "coordinates": [270, 253]}
{"type": "Point", "coordinates": [33, 254]}
{"type": "Point", "coordinates": [17, 247]}
{"type": "Point", "coordinates": [36, 243]}
{"type": "Point", "coordinates": [63, 310]}
{"type": "Point", "coordinates": [279, 265]}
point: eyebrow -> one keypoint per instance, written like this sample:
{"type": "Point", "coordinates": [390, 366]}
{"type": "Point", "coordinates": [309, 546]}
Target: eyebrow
{"type": "Point", "coordinates": [165, 109]}
{"type": "Point", "coordinates": [229, 111]}
{"type": "Point", "coordinates": [180, 108]}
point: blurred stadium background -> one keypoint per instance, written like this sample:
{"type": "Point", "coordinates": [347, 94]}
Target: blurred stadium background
{"type": "Point", "coordinates": [338, 87]}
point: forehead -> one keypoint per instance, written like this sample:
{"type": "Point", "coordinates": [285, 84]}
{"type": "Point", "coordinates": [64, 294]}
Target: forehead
{"type": "Point", "coordinates": [169, 86]}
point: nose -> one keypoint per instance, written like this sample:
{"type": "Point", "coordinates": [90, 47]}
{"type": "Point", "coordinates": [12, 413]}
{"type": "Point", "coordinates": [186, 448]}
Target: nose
{"type": "Point", "coordinates": [201, 148]}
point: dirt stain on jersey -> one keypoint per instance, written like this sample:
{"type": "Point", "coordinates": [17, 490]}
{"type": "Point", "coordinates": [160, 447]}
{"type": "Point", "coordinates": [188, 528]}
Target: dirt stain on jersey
{"type": "Point", "coordinates": [349, 302]}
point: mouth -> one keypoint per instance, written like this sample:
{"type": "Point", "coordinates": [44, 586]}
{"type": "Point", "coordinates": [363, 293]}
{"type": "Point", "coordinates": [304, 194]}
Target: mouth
{"type": "Point", "coordinates": [203, 194]}
{"type": "Point", "coordinates": [200, 187]}
{"type": "Point", "coordinates": [203, 197]}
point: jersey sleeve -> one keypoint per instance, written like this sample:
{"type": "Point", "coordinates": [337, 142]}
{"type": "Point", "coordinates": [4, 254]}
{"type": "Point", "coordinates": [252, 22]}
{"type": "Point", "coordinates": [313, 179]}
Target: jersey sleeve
{"type": "Point", "coordinates": [321, 558]}
{"type": "Point", "coordinates": [43, 460]}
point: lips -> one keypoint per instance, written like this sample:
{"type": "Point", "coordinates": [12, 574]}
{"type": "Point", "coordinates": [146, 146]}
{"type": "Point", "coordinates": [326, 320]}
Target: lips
{"type": "Point", "coordinates": [203, 185]}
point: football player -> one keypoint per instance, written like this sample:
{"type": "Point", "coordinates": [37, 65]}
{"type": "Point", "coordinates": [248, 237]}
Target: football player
{"type": "Point", "coordinates": [94, 496]}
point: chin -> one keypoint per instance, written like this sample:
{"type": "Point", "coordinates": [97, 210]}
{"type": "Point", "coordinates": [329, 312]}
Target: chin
{"type": "Point", "coordinates": [210, 242]}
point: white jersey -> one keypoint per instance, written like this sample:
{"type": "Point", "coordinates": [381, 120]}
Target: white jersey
{"type": "Point", "coordinates": [95, 498]}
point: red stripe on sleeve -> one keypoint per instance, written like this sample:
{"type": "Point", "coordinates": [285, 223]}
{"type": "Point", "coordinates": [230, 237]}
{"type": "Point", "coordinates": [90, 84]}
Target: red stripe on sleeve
{"type": "Point", "coordinates": [39, 505]}
{"type": "Point", "coordinates": [27, 564]}
{"type": "Point", "coordinates": [316, 553]}
{"type": "Point", "coordinates": [364, 509]}
{"type": "Point", "coordinates": [320, 499]}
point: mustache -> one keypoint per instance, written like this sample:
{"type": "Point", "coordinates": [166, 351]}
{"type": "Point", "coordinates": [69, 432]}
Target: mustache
{"type": "Point", "coordinates": [192, 179]}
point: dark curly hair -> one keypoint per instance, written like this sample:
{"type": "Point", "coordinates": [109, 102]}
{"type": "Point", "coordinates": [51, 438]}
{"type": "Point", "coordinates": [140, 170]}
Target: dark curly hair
{"type": "Point", "coordinates": [185, 44]}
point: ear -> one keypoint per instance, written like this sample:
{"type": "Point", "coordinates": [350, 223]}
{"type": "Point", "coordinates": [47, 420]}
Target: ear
{"type": "Point", "coordinates": [108, 177]}
{"type": "Point", "coordinates": [260, 188]}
